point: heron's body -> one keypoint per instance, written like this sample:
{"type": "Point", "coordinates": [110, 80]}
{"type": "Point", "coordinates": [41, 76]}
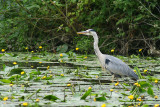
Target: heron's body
{"type": "Point", "coordinates": [112, 64]}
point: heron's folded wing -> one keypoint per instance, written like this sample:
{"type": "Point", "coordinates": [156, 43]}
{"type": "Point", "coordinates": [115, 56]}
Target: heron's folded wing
{"type": "Point", "coordinates": [116, 66]}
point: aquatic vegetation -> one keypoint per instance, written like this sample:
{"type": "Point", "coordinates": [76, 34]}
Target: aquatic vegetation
{"type": "Point", "coordinates": [36, 79]}
{"type": "Point", "coordinates": [68, 85]}
{"type": "Point", "coordinates": [112, 50]}
{"type": "Point", "coordinates": [156, 105]}
{"type": "Point", "coordinates": [26, 48]}
{"type": "Point", "coordinates": [61, 55]}
{"type": "Point", "coordinates": [14, 63]}
{"type": "Point", "coordinates": [77, 49]}
{"type": "Point", "coordinates": [3, 50]}
{"type": "Point", "coordinates": [145, 71]}
{"type": "Point", "coordinates": [111, 90]}
{"type": "Point", "coordinates": [40, 47]}
{"type": "Point", "coordinates": [88, 92]}
{"type": "Point", "coordinates": [25, 104]}
{"type": "Point", "coordinates": [131, 97]}
{"type": "Point", "coordinates": [51, 97]}
{"type": "Point", "coordinates": [156, 81]}
{"type": "Point", "coordinates": [116, 83]}
{"type": "Point", "coordinates": [103, 105]}
{"type": "Point", "coordinates": [5, 98]}
{"type": "Point", "coordinates": [37, 100]}
{"type": "Point", "coordinates": [140, 50]}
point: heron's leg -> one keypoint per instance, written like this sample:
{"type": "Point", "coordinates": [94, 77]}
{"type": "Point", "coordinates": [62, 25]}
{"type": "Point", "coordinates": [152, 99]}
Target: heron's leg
{"type": "Point", "coordinates": [117, 80]}
{"type": "Point", "coordinates": [100, 75]}
{"type": "Point", "coordinates": [112, 78]}
{"type": "Point", "coordinates": [126, 80]}
{"type": "Point", "coordinates": [99, 79]}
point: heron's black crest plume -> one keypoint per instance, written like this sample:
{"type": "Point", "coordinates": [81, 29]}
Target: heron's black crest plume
{"type": "Point", "coordinates": [91, 30]}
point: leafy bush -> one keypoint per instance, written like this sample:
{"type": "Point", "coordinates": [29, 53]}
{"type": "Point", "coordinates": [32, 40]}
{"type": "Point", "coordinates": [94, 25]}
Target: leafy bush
{"type": "Point", "coordinates": [125, 25]}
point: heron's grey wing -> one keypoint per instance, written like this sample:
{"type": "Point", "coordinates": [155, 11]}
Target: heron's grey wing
{"type": "Point", "coordinates": [116, 66]}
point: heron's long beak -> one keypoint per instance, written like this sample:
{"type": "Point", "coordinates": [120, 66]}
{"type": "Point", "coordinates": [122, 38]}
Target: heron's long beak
{"type": "Point", "coordinates": [82, 32]}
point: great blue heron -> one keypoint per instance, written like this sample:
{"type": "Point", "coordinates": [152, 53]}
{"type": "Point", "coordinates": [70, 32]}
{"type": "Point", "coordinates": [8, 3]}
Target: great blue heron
{"type": "Point", "coordinates": [112, 64]}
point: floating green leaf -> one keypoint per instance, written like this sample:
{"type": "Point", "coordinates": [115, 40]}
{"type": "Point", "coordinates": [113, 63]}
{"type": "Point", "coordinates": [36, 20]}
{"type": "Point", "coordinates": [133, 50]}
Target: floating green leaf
{"type": "Point", "coordinates": [51, 97]}
{"type": "Point", "coordinates": [100, 99]}
{"type": "Point", "coordinates": [21, 98]}
{"type": "Point", "coordinates": [86, 94]}
{"type": "Point", "coordinates": [5, 81]}
{"type": "Point", "coordinates": [15, 71]}
{"type": "Point", "coordinates": [150, 91]}
{"type": "Point", "coordinates": [35, 57]}
{"type": "Point", "coordinates": [14, 77]}
{"type": "Point", "coordinates": [146, 105]}
{"type": "Point", "coordinates": [141, 90]}
{"type": "Point", "coordinates": [145, 84]}
{"type": "Point", "coordinates": [4, 66]}
{"type": "Point", "coordinates": [124, 94]}
{"type": "Point", "coordinates": [1, 55]}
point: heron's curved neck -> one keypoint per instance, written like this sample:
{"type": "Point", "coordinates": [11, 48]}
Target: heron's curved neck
{"type": "Point", "coordinates": [96, 48]}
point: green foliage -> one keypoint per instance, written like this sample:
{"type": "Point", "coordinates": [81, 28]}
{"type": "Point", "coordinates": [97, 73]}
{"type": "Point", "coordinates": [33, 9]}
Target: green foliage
{"type": "Point", "coordinates": [5, 81]}
{"type": "Point", "coordinates": [145, 84]}
{"type": "Point", "coordinates": [100, 99]}
{"type": "Point", "coordinates": [119, 23]}
{"type": "Point", "coordinates": [138, 73]}
{"type": "Point", "coordinates": [145, 105]}
{"type": "Point", "coordinates": [15, 71]}
{"type": "Point", "coordinates": [86, 94]}
{"type": "Point", "coordinates": [62, 48]}
{"type": "Point", "coordinates": [51, 97]}
{"type": "Point", "coordinates": [34, 58]}
{"type": "Point", "coordinates": [150, 91]}
{"type": "Point", "coordinates": [78, 74]}
{"type": "Point", "coordinates": [84, 44]}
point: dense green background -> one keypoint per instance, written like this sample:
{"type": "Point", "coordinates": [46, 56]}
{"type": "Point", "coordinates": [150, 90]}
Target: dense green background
{"type": "Point", "coordinates": [123, 25]}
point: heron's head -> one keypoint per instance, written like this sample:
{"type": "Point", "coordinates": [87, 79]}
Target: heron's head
{"type": "Point", "coordinates": [87, 32]}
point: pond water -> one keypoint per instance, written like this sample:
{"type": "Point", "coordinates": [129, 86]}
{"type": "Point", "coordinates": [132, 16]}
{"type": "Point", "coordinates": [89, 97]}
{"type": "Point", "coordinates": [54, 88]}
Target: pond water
{"type": "Point", "coordinates": [38, 79]}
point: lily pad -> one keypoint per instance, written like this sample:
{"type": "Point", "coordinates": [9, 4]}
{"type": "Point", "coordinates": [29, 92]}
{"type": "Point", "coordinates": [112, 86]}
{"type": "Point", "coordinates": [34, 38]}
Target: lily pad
{"type": "Point", "coordinates": [100, 99]}
{"type": "Point", "coordinates": [5, 81]}
{"type": "Point", "coordinates": [51, 97]}
{"type": "Point", "coordinates": [15, 71]}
